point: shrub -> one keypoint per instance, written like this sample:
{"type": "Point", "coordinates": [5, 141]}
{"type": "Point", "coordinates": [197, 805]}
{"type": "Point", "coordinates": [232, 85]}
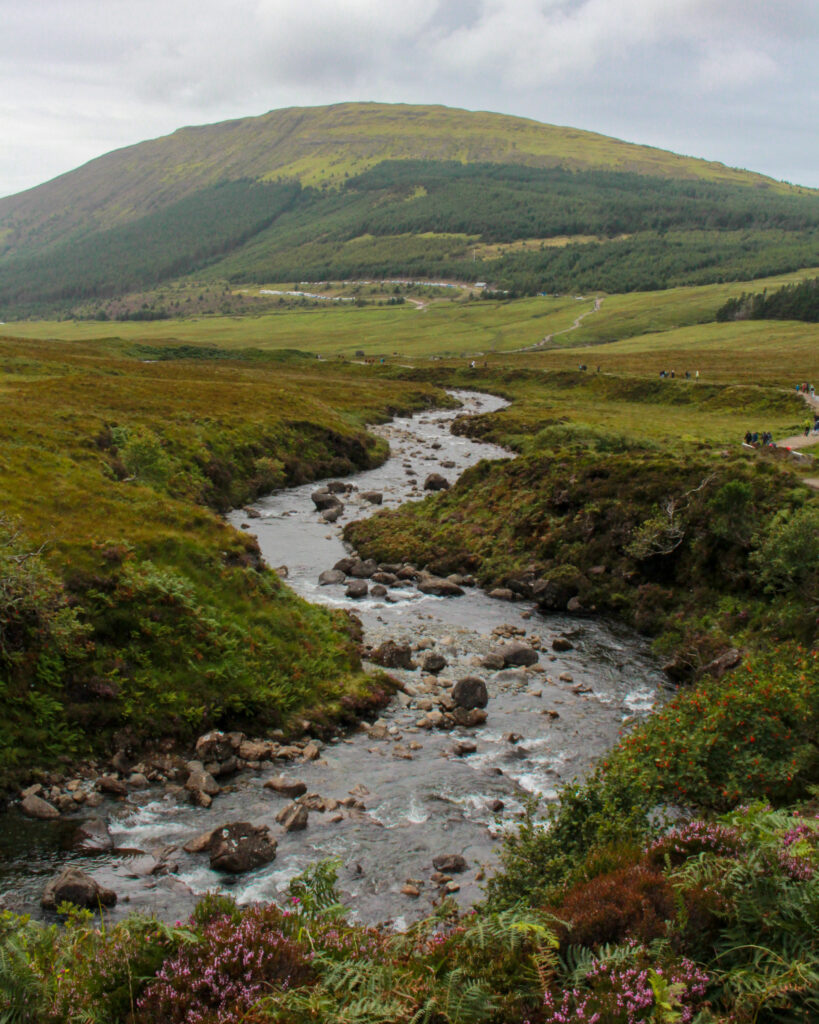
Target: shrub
{"type": "Point", "coordinates": [218, 978]}
{"type": "Point", "coordinates": [633, 902]}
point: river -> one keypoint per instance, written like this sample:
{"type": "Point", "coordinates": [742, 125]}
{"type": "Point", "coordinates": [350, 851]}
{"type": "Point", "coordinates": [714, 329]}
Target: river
{"type": "Point", "coordinates": [545, 726]}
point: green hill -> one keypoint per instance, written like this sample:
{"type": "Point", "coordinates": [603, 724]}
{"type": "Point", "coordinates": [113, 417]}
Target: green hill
{"type": "Point", "coordinates": [366, 189]}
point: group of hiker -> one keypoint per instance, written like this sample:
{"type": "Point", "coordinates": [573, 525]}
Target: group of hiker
{"type": "Point", "coordinates": [671, 374]}
{"type": "Point", "coordinates": [756, 439]}
{"type": "Point", "coordinates": [806, 389]}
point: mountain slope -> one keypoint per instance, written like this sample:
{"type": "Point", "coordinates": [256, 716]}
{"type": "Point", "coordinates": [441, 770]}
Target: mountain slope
{"type": "Point", "coordinates": [317, 145]}
{"type": "Point", "coordinates": [370, 189]}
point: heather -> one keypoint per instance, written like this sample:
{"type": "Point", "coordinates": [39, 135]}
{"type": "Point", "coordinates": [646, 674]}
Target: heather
{"type": "Point", "coordinates": [735, 940]}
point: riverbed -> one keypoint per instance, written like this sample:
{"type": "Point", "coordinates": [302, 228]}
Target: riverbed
{"type": "Point", "coordinates": [418, 796]}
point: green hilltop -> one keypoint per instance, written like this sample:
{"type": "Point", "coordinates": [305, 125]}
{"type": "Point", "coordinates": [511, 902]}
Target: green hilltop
{"type": "Point", "coordinates": [368, 189]}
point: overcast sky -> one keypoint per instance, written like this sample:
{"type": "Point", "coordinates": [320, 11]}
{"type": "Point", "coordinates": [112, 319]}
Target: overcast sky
{"type": "Point", "coordinates": [729, 80]}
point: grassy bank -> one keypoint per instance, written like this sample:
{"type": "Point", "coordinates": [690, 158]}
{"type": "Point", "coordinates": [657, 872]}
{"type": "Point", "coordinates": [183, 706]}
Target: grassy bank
{"type": "Point", "coordinates": [130, 610]}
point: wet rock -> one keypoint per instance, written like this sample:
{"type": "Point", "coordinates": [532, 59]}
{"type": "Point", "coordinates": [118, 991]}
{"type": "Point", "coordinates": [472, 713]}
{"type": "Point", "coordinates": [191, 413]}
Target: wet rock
{"type": "Point", "coordinates": [452, 887]}
{"type": "Point", "coordinates": [410, 890]}
{"type": "Point", "coordinates": [566, 677]}
{"type": "Point", "coordinates": [408, 572]}
{"type": "Point", "coordinates": [200, 781]}
{"type": "Point", "coordinates": [93, 836]}
{"type": "Point", "coordinates": [574, 605]}
{"type": "Point", "coordinates": [470, 692]}
{"type": "Point", "coordinates": [469, 719]}
{"type": "Point", "coordinates": [438, 587]}
{"type": "Point", "coordinates": [338, 487]}
{"type": "Point", "coordinates": [434, 663]}
{"type": "Point", "coordinates": [241, 847]}
{"type": "Point", "coordinates": [311, 752]}
{"type": "Point", "coordinates": [357, 588]}
{"type": "Point", "coordinates": [331, 576]}
{"type": "Point", "coordinates": [213, 746]}
{"type": "Point", "coordinates": [449, 863]}
{"type": "Point", "coordinates": [257, 750]}
{"type": "Point", "coordinates": [290, 788]}
{"type": "Point", "coordinates": [513, 737]}
{"type": "Point", "coordinates": [323, 500]}
{"type": "Point", "coordinates": [516, 653]}
{"type": "Point", "coordinates": [464, 747]}
{"type": "Point", "coordinates": [203, 841]}
{"type": "Point", "coordinates": [373, 497]}
{"type": "Point", "coordinates": [330, 515]}
{"type": "Point", "coordinates": [496, 806]}
{"type": "Point", "coordinates": [502, 594]}
{"type": "Point", "coordinates": [293, 818]}
{"type": "Point", "coordinates": [282, 572]}
{"type": "Point", "coordinates": [493, 661]}
{"type": "Point", "coordinates": [448, 464]}
{"type": "Point", "coordinates": [108, 784]}
{"type": "Point", "coordinates": [378, 590]}
{"type": "Point", "coordinates": [363, 568]}
{"type": "Point", "coordinates": [392, 655]}
{"type": "Point", "coordinates": [436, 482]}
{"type": "Point", "coordinates": [252, 513]}
{"type": "Point", "coordinates": [73, 885]}
{"type": "Point", "coordinates": [345, 564]}
{"type": "Point", "coordinates": [35, 807]}
{"type": "Point", "coordinates": [561, 643]}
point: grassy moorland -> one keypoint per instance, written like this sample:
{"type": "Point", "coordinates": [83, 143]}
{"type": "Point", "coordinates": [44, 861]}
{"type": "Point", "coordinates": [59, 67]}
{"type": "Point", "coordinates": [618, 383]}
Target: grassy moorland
{"type": "Point", "coordinates": [679, 883]}
{"type": "Point", "coordinates": [129, 607]}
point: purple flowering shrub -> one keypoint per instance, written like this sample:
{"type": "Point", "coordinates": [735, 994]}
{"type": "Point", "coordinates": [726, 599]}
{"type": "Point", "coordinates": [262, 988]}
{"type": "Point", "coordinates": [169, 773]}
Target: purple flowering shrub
{"type": "Point", "coordinates": [677, 845]}
{"type": "Point", "coordinates": [631, 993]}
{"type": "Point", "coordinates": [219, 978]}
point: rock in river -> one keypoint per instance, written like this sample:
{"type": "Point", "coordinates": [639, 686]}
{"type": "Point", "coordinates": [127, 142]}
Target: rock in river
{"type": "Point", "coordinates": [241, 847]}
{"type": "Point", "coordinates": [73, 885]}
{"type": "Point", "coordinates": [436, 482]}
{"type": "Point", "coordinates": [357, 588]}
{"type": "Point", "coordinates": [330, 576]}
{"type": "Point", "coordinates": [35, 807]}
{"type": "Point", "coordinates": [286, 787]}
{"type": "Point", "coordinates": [391, 655]}
{"type": "Point", "coordinates": [470, 692]}
{"type": "Point", "coordinates": [449, 863]}
{"type": "Point", "coordinates": [438, 586]}
{"type": "Point", "coordinates": [323, 500]}
{"type": "Point", "coordinates": [516, 653]}
{"type": "Point", "coordinates": [293, 818]}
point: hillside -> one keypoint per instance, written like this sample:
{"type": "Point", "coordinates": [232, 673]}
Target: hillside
{"type": "Point", "coordinates": [374, 189]}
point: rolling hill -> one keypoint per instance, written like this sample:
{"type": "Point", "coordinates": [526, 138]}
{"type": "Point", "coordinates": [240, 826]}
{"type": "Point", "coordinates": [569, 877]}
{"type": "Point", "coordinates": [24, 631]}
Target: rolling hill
{"type": "Point", "coordinates": [375, 189]}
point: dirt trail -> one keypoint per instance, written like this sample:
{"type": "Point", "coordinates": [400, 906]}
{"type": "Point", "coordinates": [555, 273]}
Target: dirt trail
{"type": "Point", "coordinates": [803, 440]}
{"type": "Point", "coordinates": [598, 302]}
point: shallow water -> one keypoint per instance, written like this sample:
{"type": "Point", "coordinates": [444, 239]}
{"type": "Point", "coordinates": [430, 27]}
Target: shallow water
{"type": "Point", "coordinates": [420, 798]}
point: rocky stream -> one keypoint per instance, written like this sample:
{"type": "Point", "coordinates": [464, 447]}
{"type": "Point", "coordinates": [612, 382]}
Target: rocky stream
{"type": "Point", "coordinates": [413, 804]}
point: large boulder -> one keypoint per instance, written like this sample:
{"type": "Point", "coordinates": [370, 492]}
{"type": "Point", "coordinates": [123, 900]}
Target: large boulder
{"type": "Point", "coordinates": [373, 497]}
{"type": "Point", "coordinates": [436, 482]}
{"type": "Point", "coordinates": [214, 746]}
{"type": "Point", "coordinates": [470, 692]}
{"type": "Point", "coordinates": [362, 569]}
{"type": "Point", "coordinates": [290, 788]}
{"type": "Point", "coordinates": [439, 587]}
{"type": "Point", "coordinates": [293, 818]}
{"type": "Point", "coordinates": [323, 500]}
{"type": "Point", "coordinates": [241, 847]}
{"type": "Point", "coordinates": [449, 863]}
{"type": "Point", "coordinates": [391, 655]}
{"type": "Point", "coordinates": [516, 653]}
{"type": "Point", "coordinates": [434, 663]}
{"type": "Point", "coordinates": [331, 576]}
{"type": "Point", "coordinates": [35, 807]}
{"type": "Point", "coordinates": [73, 885]}
{"type": "Point", "coordinates": [357, 588]}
